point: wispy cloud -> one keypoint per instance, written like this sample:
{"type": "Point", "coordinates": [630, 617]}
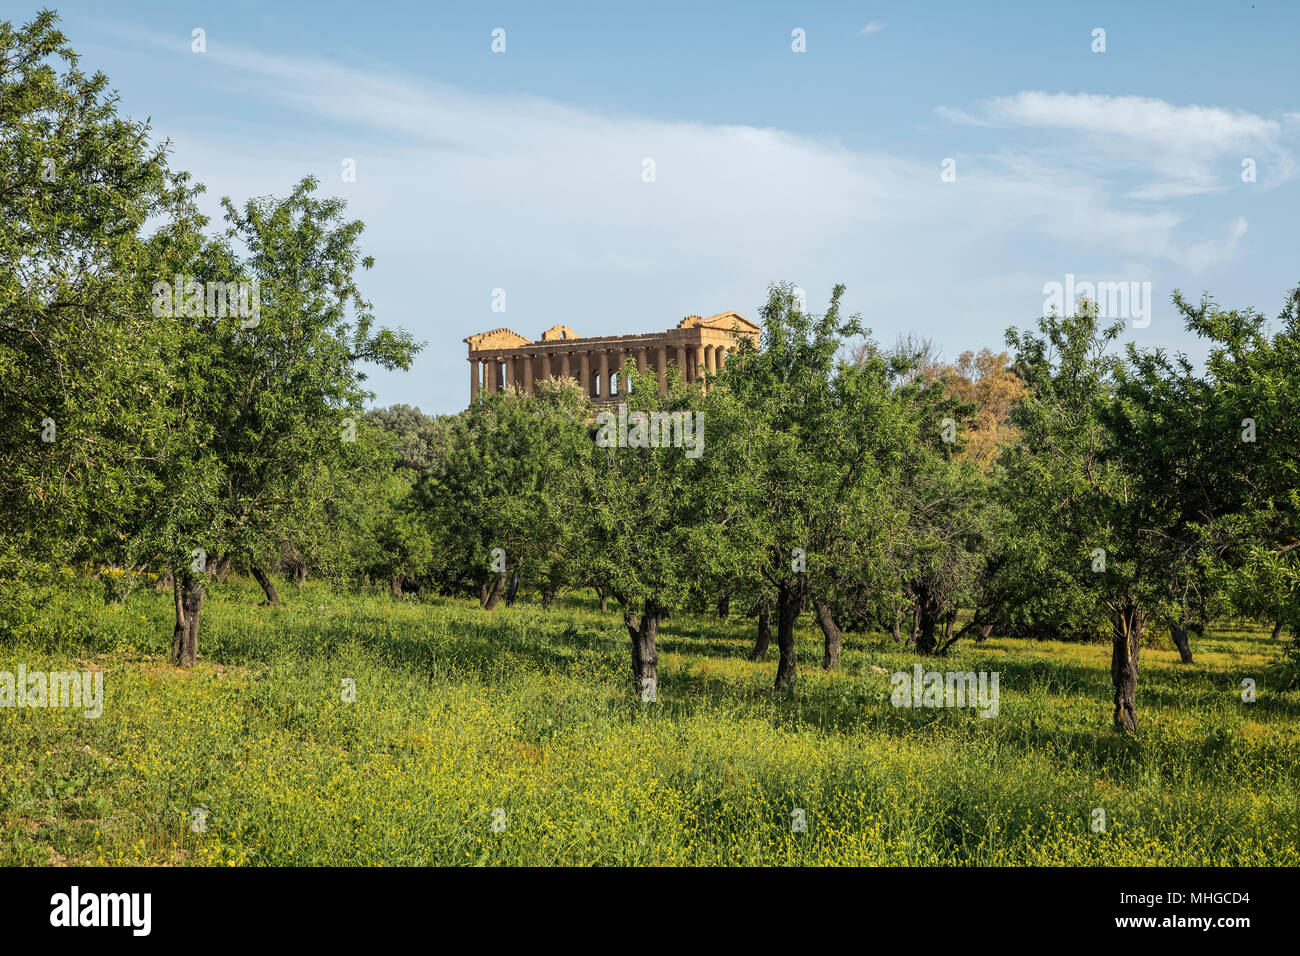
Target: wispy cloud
{"type": "Point", "coordinates": [1189, 149]}
{"type": "Point", "coordinates": [470, 192]}
{"type": "Point", "coordinates": [875, 26]}
{"type": "Point", "coordinates": [955, 114]}
{"type": "Point", "coordinates": [579, 165]}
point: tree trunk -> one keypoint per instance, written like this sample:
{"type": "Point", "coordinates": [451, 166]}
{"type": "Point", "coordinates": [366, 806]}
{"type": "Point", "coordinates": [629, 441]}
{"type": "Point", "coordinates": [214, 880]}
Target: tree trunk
{"type": "Point", "coordinates": [985, 631]}
{"type": "Point", "coordinates": [724, 606]}
{"type": "Point", "coordinates": [897, 630]}
{"type": "Point", "coordinates": [514, 587]}
{"type": "Point", "coordinates": [604, 600]}
{"type": "Point", "coordinates": [645, 654]}
{"type": "Point", "coordinates": [949, 619]}
{"type": "Point", "coordinates": [1277, 630]}
{"type": "Point", "coordinates": [493, 593]}
{"type": "Point", "coordinates": [548, 598]}
{"type": "Point", "coordinates": [927, 619]}
{"type": "Point", "coordinates": [188, 597]}
{"type": "Point", "coordinates": [299, 574]}
{"type": "Point", "coordinates": [1179, 634]}
{"type": "Point", "coordinates": [219, 567]}
{"type": "Point", "coordinates": [789, 603]}
{"type": "Point", "coordinates": [831, 659]}
{"type": "Point", "coordinates": [395, 582]}
{"type": "Point", "coordinates": [1126, 643]}
{"type": "Point", "coordinates": [764, 637]}
{"type": "Point", "coordinates": [194, 597]}
{"type": "Point", "coordinates": [267, 586]}
{"type": "Point", "coordinates": [179, 632]}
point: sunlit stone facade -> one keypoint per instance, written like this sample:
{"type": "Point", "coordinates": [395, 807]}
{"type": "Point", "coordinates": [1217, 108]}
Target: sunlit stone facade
{"type": "Point", "coordinates": [697, 345]}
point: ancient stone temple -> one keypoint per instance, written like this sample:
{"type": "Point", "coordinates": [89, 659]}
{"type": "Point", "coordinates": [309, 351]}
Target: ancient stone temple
{"type": "Point", "coordinates": [696, 346]}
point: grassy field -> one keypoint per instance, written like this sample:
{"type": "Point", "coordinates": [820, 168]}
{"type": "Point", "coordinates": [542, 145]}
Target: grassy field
{"type": "Point", "coordinates": [458, 712]}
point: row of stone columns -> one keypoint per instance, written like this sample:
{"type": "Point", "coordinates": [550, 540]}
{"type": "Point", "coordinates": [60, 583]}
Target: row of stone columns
{"type": "Point", "coordinates": [595, 369]}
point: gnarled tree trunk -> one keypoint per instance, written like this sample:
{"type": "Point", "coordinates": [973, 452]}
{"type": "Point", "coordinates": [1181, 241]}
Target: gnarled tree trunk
{"type": "Point", "coordinates": [219, 567]}
{"type": "Point", "coordinates": [789, 603]}
{"type": "Point", "coordinates": [927, 619]}
{"type": "Point", "coordinates": [645, 654]}
{"type": "Point", "coordinates": [724, 606]}
{"type": "Point", "coordinates": [187, 594]}
{"type": "Point", "coordinates": [492, 592]}
{"type": "Point", "coordinates": [514, 587]}
{"type": "Point", "coordinates": [831, 659]}
{"type": "Point", "coordinates": [1127, 624]}
{"type": "Point", "coordinates": [1277, 630]}
{"type": "Point", "coordinates": [1179, 634]}
{"type": "Point", "coordinates": [267, 586]}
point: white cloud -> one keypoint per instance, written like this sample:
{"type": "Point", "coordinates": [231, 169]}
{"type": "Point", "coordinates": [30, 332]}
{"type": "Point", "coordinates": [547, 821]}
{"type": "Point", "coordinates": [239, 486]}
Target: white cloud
{"type": "Point", "coordinates": [1189, 149]}
{"type": "Point", "coordinates": [875, 26]}
{"type": "Point", "coordinates": [955, 114]}
{"type": "Point", "coordinates": [463, 192]}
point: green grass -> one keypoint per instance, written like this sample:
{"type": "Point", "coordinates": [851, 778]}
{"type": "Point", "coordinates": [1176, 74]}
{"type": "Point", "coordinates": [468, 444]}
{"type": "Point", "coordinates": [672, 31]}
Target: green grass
{"type": "Point", "coordinates": [459, 712]}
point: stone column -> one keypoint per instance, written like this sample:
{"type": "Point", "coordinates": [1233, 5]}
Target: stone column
{"type": "Point", "coordinates": [699, 361]}
{"type": "Point", "coordinates": [640, 361]}
{"type": "Point", "coordinates": [490, 372]}
{"type": "Point", "coordinates": [510, 371]}
{"type": "Point", "coordinates": [473, 380]}
{"type": "Point", "coordinates": [585, 358]}
{"type": "Point", "coordinates": [711, 359]}
{"type": "Point", "coordinates": [528, 375]}
{"type": "Point", "coordinates": [565, 371]}
{"type": "Point", "coordinates": [604, 373]}
{"type": "Point", "coordinates": [661, 366]}
{"type": "Point", "coordinates": [681, 361]}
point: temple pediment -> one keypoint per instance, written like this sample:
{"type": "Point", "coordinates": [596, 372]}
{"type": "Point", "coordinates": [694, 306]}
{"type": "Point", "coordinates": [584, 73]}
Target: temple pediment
{"type": "Point", "coordinates": [496, 339]}
{"type": "Point", "coordinates": [726, 321]}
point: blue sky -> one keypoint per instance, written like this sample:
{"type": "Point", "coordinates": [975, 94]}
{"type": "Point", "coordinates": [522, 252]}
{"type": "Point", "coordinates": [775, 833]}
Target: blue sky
{"type": "Point", "coordinates": [523, 170]}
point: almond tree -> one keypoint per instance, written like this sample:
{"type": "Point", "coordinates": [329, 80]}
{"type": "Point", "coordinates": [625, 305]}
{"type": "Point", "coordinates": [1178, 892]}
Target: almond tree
{"type": "Point", "coordinates": [1179, 440]}
{"type": "Point", "coordinates": [1254, 428]}
{"type": "Point", "coordinates": [830, 436]}
{"type": "Point", "coordinates": [497, 501]}
{"type": "Point", "coordinates": [264, 400]}
{"type": "Point", "coordinates": [289, 387]}
{"type": "Point", "coordinates": [656, 515]}
{"type": "Point", "coordinates": [81, 361]}
{"type": "Point", "coordinates": [1089, 489]}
